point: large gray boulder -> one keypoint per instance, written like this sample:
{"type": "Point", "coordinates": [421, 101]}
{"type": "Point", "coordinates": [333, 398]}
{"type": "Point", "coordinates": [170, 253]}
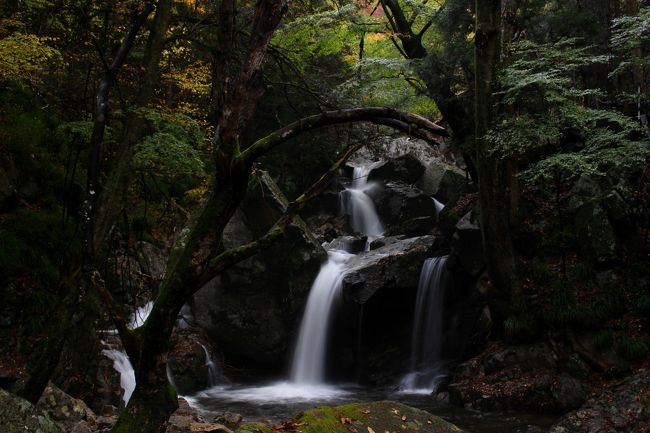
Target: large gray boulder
{"type": "Point", "coordinates": [18, 416]}
{"type": "Point", "coordinates": [405, 168]}
{"type": "Point", "coordinates": [250, 310]}
{"type": "Point", "coordinates": [393, 265]}
{"type": "Point", "coordinates": [405, 210]}
{"type": "Point", "coordinates": [443, 181]}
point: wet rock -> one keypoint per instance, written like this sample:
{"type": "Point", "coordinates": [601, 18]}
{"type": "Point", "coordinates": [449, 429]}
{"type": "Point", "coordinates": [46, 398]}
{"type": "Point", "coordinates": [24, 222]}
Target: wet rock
{"type": "Point", "coordinates": [406, 168]}
{"type": "Point", "coordinates": [405, 210]}
{"type": "Point", "coordinates": [66, 410]}
{"type": "Point", "coordinates": [351, 244]}
{"type": "Point", "coordinates": [229, 419]}
{"type": "Point", "coordinates": [18, 416]}
{"type": "Point", "coordinates": [192, 360]}
{"type": "Point", "coordinates": [623, 406]}
{"type": "Point", "coordinates": [209, 427]}
{"type": "Point", "coordinates": [394, 265]}
{"type": "Point", "coordinates": [152, 260]}
{"type": "Point", "coordinates": [443, 181]}
{"type": "Point", "coordinates": [183, 417]}
{"type": "Point", "coordinates": [250, 310]}
{"type": "Point", "coordinates": [373, 417]}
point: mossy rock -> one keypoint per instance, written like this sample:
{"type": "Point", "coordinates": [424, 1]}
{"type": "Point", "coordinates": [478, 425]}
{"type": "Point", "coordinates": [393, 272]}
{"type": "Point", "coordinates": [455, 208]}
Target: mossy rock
{"type": "Point", "coordinates": [375, 417]}
{"type": "Point", "coordinates": [254, 427]}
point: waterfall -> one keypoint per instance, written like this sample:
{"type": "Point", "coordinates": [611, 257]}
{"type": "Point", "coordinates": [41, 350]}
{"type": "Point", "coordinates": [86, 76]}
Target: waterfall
{"type": "Point", "coordinates": [355, 202]}
{"type": "Point", "coordinates": [426, 342]}
{"type": "Point", "coordinates": [122, 365]}
{"type": "Point", "coordinates": [308, 365]}
{"type": "Point", "coordinates": [213, 372]}
{"type": "Point", "coordinates": [439, 206]}
{"type": "Point", "coordinates": [309, 358]}
{"type": "Point", "coordinates": [140, 316]}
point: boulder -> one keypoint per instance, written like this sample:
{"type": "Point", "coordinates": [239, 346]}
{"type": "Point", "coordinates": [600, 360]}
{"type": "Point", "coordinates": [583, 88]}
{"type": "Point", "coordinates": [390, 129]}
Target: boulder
{"type": "Point", "coordinates": [466, 246]}
{"type": "Point", "coordinates": [18, 416]}
{"type": "Point", "coordinates": [443, 181]}
{"type": "Point", "coordinates": [516, 378]}
{"type": "Point", "coordinates": [405, 168]}
{"type": "Point", "coordinates": [192, 361]}
{"type": "Point", "coordinates": [183, 418]}
{"type": "Point", "coordinates": [396, 264]}
{"type": "Point", "coordinates": [250, 310]}
{"type": "Point", "coordinates": [622, 406]}
{"type": "Point", "coordinates": [64, 409]}
{"type": "Point", "coordinates": [595, 233]}
{"type": "Point", "coordinates": [381, 416]}
{"type": "Point", "coordinates": [405, 210]}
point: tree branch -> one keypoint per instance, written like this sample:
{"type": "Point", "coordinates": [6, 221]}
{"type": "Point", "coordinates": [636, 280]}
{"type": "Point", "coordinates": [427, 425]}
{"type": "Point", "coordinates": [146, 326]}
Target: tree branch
{"type": "Point", "coordinates": [233, 256]}
{"type": "Point", "coordinates": [115, 311]}
{"type": "Point", "coordinates": [407, 122]}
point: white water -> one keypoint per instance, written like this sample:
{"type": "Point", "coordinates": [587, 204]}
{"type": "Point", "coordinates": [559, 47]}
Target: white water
{"type": "Point", "coordinates": [308, 365]}
{"type": "Point", "coordinates": [426, 362]}
{"type": "Point", "coordinates": [439, 206]}
{"type": "Point", "coordinates": [213, 371]}
{"type": "Point", "coordinates": [121, 362]}
{"type": "Point", "coordinates": [280, 392]}
{"type": "Point", "coordinates": [140, 316]}
{"type": "Point", "coordinates": [355, 202]}
{"type": "Point", "coordinates": [122, 365]}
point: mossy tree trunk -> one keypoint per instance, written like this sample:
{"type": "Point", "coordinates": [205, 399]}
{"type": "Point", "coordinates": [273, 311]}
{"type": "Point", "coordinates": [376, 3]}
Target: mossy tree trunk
{"type": "Point", "coordinates": [493, 170]}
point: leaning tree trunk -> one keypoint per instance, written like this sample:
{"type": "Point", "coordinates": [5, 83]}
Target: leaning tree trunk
{"type": "Point", "coordinates": [493, 173]}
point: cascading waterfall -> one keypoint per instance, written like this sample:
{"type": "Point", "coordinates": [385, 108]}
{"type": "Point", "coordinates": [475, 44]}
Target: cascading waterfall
{"type": "Point", "coordinates": [121, 362]}
{"type": "Point", "coordinates": [355, 202]}
{"type": "Point", "coordinates": [309, 358]}
{"type": "Point", "coordinates": [122, 365]}
{"type": "Point", "coordinates": [308, 365]}
{"type": "Point", "coordinates": [426, 371]}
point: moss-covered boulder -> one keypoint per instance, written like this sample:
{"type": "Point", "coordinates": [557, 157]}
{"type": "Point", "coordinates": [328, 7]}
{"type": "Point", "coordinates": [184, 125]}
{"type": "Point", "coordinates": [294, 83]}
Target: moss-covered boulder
{"type": "Point", "coordinates": [372, 417]}
{"type": "Point", "coordinates": [19, 415]}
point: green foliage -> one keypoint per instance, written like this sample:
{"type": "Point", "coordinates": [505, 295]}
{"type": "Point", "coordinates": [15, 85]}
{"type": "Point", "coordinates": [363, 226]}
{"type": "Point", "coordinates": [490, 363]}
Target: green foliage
{"type": "Point", "coordinates": [540, 101]}
{"type": "Point", "coordinates": [171, 151]}
{"type": "Point", "coordinates": [27, 58]}
{"type": "Point", "coordinates": [631, 31]}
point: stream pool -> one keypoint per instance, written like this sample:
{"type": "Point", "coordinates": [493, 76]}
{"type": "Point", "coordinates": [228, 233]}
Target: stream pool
{"type": "Point", "coordinates": [280, 401]}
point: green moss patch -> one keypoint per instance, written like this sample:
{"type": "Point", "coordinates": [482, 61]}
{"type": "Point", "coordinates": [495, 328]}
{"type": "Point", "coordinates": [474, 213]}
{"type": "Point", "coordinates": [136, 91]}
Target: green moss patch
{"type": "Point", "coordinates": [375, 417]}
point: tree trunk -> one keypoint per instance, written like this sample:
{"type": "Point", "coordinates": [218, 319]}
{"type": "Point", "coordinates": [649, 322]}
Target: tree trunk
{"type": "Point", "coordinates": [493, 172]}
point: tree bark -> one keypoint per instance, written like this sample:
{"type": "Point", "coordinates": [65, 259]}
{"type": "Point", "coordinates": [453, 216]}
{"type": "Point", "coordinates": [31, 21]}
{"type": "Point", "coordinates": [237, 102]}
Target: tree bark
{"type": "Point", "coordinates": [493, 173]}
